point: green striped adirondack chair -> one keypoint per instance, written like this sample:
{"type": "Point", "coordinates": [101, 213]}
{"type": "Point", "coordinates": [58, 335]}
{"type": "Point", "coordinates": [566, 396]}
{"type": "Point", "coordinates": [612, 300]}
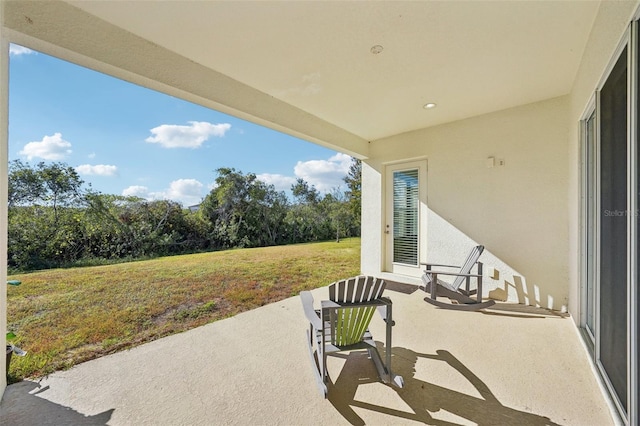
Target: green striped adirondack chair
{"type": "Point", "coordinates": [342, 324]}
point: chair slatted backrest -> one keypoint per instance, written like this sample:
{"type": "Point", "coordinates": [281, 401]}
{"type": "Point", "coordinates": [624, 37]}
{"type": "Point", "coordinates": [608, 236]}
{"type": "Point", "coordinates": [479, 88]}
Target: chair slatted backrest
{"type": "Point", "coordinates": [468, 265]}
{"type": "Point", "coordinates": [352, 322]}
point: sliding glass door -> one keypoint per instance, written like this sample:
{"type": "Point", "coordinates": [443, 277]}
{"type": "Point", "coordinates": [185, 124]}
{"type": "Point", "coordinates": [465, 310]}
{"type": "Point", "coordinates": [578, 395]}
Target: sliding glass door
{"type": "Point", "coordinates": [613, 212]}
{"type": "Point", "coordinates": [610, 255]}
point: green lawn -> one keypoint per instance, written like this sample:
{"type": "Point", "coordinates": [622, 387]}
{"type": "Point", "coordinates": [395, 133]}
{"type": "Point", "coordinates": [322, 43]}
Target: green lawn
{"type": "Point", "coordinates": [66, 316]}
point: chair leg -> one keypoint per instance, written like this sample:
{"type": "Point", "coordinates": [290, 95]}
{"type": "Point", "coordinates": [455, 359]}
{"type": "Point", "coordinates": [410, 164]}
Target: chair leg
{"type": "Point", "coordinates": [480, 282]}
{"type": "Point", "coordinates": [392, 378]}
{"type": "Point", "coordinates": [389, 322]}
{"type": "Point", "coordinates": [316, 362]}
{"type": "Point", "coordinates": [434, 286]}
{"type": "Point", "coordinates": [384, 371]}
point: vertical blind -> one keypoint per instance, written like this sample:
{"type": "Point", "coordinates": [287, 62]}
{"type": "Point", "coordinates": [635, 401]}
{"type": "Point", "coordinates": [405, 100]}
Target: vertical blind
{"type": "Point", "coordinates": [405, 217]}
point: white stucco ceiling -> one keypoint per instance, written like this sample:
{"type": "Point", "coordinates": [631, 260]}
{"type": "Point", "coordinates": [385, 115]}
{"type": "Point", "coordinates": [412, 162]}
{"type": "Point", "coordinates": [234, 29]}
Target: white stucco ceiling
{"type": "Point", "coordinates": [469, 57]}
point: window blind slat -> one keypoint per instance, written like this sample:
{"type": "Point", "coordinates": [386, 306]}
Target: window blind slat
{"type": "Point", "coordinates": [405, 217]}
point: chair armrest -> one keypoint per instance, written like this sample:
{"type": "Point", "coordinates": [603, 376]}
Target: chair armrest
{"type": "Point", "coordinates": [309, 311]}
{"type": "Point", "coordinates": [328, 304]}
{"type": "Point", "coordinates": [440, 265]}
{"type": "Point", "coordinates": [455, 274]}
{"type": "Point", "coordinates": [382, 309]}
{"type": "Point", "coordinates": [381, 305]}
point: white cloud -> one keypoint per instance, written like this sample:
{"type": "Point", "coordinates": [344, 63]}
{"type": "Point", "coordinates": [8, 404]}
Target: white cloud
{"type": "Point", "coordinates": [98, 170]}
{"type": "Point", "coordinates": [136, 191]}
{"type": "Point", "coordinates": [324, 174]}
{"type": "Point", "coordinates": [16, 50]}
{"type": "Point", "coordinates": [185, 191]}
{"type": "Point", "coordinates": [280, 182]}
{"type": "Point", "coordinates": [92, 155]}
{"type": "Point", "coordinates": [49, 148]}
{"type": "Point", "coordinates": [191, 136]}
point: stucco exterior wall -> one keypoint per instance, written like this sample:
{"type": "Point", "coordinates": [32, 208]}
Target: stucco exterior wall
{"type": "Point", "coordinates": [518, 210]}
{"type": "Point", "coordinates": [527, 212]}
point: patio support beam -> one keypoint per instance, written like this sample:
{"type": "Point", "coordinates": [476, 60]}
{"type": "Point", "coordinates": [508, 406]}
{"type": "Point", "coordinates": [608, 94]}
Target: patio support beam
{"type": "Point", "coordinates": [67, 32]}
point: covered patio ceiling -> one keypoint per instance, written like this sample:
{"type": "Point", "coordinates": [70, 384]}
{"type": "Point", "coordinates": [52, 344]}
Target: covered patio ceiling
{"type": "Point", "coordinates": [336, 73]}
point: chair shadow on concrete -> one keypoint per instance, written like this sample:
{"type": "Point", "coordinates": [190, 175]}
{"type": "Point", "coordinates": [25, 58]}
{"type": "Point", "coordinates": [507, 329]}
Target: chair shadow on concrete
{"type": "Point", "coordinates": [421, 400]}
{"type": "Point", "coordinates": [503, 309]}
{"type": "Point", "coordinates": [21, 405]}
{"type": "Point", "coordinates": [518, 310]}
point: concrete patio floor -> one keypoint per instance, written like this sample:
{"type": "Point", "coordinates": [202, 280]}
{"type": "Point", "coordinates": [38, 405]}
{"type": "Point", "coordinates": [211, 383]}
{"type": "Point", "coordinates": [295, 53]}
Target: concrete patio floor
{"type": "Point", "coordinates": [507, 366]}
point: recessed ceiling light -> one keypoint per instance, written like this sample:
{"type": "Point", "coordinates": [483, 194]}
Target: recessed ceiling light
{"type": "Point", "coordinates": [429, 105]}
{"type": "Point", "coordinates": [377, 49]}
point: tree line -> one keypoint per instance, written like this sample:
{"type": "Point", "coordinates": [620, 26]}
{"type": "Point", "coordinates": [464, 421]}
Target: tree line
{"type": "Point", "coordinates": [56, 220]}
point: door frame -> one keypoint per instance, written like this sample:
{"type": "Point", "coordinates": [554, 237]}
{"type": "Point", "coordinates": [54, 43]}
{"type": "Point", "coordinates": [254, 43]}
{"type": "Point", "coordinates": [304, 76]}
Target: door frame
{"type": "Point", "coordinates": [589, 183]}
{"type": "Point", "coordinates": [387, 232]}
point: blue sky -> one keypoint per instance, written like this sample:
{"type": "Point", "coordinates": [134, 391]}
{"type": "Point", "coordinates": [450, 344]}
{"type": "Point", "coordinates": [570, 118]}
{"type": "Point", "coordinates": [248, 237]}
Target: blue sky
{"type": "Point", "coordinates": [127, 140]}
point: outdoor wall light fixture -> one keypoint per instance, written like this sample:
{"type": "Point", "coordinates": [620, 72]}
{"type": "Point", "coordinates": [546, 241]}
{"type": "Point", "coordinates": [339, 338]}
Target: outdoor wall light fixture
{"type": "Point", "coordinates": [429, 105]}
{"type": "Point", "coordinates": [491, 162]}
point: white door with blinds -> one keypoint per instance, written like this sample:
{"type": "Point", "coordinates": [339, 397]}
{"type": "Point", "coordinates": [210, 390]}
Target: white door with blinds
{"type": "Point", "coordinates": [406, 197]}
